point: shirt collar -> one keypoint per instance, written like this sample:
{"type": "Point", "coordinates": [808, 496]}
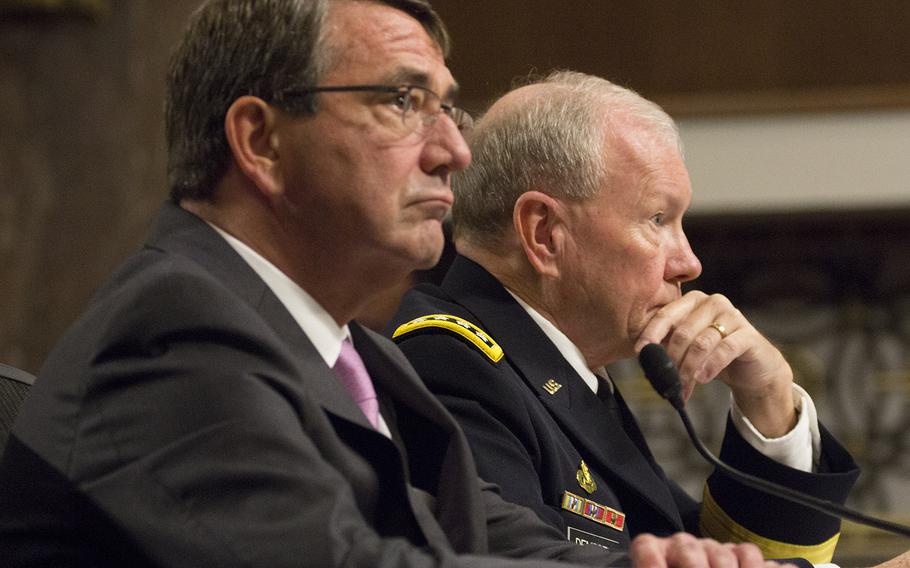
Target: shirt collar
{"type": "Point", "coordinates": [321, 329]}
{"type": "Point", "coordinates": [570, 352]}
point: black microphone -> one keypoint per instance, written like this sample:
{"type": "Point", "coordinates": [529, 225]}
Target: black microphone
{"type": "Point", "coordinates": [662, 373]}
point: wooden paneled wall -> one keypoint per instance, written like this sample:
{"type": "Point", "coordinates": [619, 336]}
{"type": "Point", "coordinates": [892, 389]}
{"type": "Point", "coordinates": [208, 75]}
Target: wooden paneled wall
{"type": "Point", "coordinates": [82, 159]}
{"type": "Point", "coordinates": [693, 56]}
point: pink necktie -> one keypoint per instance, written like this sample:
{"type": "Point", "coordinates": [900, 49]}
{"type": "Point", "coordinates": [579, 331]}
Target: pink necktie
{"type": "Point", "coordinates": [353, 375]}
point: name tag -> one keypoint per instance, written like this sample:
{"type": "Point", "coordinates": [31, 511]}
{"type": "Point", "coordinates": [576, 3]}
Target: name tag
{"type": "Point", "coordinates": [584, 538]}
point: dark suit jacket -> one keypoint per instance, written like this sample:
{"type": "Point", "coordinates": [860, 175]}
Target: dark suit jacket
{"type": "Point", "coordinates": [186, 420]}
{"type": "Point", "coordinates": [530, 438]}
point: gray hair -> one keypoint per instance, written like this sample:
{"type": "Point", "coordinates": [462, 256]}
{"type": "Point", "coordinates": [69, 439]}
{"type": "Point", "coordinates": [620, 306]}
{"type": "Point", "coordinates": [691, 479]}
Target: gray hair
{"type": "Point", "coordinates": [233, 48]}
{"type": "Point", "coordinates": [554, 142]}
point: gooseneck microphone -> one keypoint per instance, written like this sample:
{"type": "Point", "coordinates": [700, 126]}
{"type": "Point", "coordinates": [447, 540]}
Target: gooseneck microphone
{"type": "Point", "coordinates": [662, 373]}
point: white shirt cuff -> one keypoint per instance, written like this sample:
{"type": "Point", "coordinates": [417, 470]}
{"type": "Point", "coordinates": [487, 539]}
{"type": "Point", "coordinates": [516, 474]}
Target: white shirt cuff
{"type": "Point", "coordinates": [799, 448]}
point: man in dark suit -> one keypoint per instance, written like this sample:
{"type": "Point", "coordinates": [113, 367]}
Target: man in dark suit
{"type": "Point", "coordinates": [215, 405]}
{"type": "Point", "coordinates": [569, 227]}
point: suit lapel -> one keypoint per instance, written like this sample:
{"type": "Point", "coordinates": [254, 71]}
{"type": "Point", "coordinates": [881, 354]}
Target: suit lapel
{"type": "Point", "coordinates": [180, 232]}
{"type": "Point", "coordinates": [578, 411]}
{"type": "Point", "coordinates": [320, 380]}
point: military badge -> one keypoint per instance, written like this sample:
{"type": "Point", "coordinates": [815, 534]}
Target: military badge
{"type": "Point", "coordinates": [585, 480]}
{"type": "Point", "coordinates": [551, 386]}
{"type": "Point", "coordinates": [593, 511]}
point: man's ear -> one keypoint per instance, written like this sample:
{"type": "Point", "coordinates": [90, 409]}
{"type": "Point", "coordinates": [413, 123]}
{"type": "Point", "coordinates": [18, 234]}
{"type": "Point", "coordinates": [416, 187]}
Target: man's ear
{"type": "Point", "coordinates": [539, 221]}
{"type": "Point", "coordinates": [249, 126]}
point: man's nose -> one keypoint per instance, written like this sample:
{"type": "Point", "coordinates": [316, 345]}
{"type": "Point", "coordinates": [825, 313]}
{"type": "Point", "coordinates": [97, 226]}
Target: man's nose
{"type": "Point", "coordinates": [445, 146]}
{"type": "Point", "coordinates": [683, 266]}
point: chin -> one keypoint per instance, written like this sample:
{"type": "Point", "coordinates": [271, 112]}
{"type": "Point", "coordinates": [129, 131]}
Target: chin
{"type": "Point", "coordinates": [427, 251]}
{"type": "Point", "coordinates": [429, 260]}
{"type": "Point", "coordinates": [409, 259]}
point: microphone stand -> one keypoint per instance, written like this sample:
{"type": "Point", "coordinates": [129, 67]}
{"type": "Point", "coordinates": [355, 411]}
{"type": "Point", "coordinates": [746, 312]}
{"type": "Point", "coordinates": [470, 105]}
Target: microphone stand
{"type": "Point", "coordinates": [663, 376]}
{"type": "Point", "coordinates": [822, 505]}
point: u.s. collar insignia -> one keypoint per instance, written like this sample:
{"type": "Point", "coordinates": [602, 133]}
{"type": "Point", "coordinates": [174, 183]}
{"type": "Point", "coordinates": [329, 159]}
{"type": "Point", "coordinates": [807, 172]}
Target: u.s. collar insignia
{"type": "Point", "coordinates": [583, 475]}
{"type": "Point", "coordinates": [455, 324]}
{"type": "Point", "coordinates": [551, 386]}
{"type": "Point", "coordinates": [593, 511]}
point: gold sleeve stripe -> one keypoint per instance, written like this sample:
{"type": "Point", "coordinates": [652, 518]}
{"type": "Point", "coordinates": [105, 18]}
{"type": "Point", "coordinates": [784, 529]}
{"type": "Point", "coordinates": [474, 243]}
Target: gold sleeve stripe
{"type": "Point", "coordinates": [457, 325]}
{"type": "Point", "coordinates": [716, 524]}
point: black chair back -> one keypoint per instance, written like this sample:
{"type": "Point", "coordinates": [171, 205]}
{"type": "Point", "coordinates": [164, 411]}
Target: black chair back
{"type": "Point", "coordinates": [14, 385]}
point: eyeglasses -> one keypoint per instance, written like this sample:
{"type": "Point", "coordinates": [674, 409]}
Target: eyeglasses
{"type": "Point", "coordinates": [418, 106]}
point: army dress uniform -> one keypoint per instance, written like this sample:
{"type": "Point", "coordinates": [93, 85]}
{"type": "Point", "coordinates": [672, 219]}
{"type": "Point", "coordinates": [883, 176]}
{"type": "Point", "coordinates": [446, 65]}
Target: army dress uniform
{"type": "Point", "coordinates": [578, 458]}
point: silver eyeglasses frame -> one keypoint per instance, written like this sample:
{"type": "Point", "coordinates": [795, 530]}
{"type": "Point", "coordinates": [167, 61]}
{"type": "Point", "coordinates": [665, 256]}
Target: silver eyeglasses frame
{"type": "Point", "coordinates": [420, 107]}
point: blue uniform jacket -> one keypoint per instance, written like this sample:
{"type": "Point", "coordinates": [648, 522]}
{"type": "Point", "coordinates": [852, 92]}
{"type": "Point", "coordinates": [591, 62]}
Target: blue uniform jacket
{"type": "Point", "coordinates": [531, 421]}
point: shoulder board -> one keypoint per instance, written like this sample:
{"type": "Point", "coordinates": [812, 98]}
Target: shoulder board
{"type": "Point", "coordinates": [456, 325]}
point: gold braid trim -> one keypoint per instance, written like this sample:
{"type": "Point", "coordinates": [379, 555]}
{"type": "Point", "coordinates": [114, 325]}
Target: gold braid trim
{"type": "Point", "coordinates": [715, 523]}
{"type": "Point", "coordinates": [457, 325]}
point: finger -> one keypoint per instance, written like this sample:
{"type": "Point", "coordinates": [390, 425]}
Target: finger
{"type": "Point", "coordinates": [722, 555]}
{"type": "Point", "coordinates": [688, 387]}
{"type": "Point", "coordinates": [648, 551]}
{"type": "Point", "coordinates": [702, 345]}
{"type": "Point", "coordinates": [664, 321]}
{"type": "Point", "coordinates": [749, 556]}
{"type": "Point", "coordinates": [695, 329]}
{"type": "Point", "coordinates": [699, 351]}
{"type": "Point", "coordinates": [691, 344]}
{"type": "Point", "coordinates": [703, 367]}
{"type": "Point", "coordinates": [687, 552]}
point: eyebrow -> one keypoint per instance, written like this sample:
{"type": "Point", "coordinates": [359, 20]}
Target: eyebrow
{"type": "Point", "coordinates": [412, 76]}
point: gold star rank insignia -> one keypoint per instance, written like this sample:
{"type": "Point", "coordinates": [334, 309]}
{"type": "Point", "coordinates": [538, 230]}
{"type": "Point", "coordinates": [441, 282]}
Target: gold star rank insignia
{"type": "Point", "coordinates": [583, 475]}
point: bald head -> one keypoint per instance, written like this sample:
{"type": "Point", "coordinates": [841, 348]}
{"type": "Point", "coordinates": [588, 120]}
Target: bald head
{"type": "Point", "coordinates": [552, 136]}
{"type": "Point", "coordinates": [517, 98]}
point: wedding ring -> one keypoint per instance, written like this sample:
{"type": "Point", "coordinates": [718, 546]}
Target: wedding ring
{"type": "Point", "coordinates": [720, 329]}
